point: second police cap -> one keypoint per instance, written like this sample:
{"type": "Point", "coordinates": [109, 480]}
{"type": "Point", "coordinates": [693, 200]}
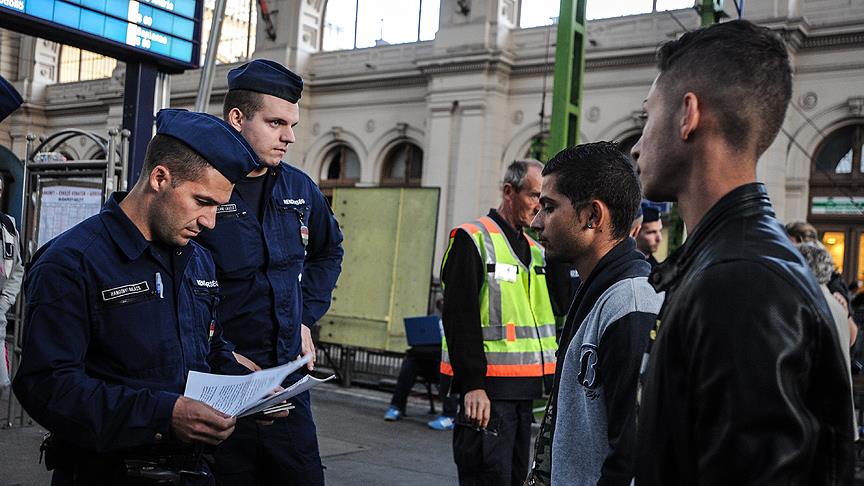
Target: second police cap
{"type": "Point", "coordinates": [649, 213]}
{"type": "Point", "coordinates": [219, 143]}
{"type": "Point", "coordinates": [10, 100]}
{"type": "Point", "coordinates": [267, 77]}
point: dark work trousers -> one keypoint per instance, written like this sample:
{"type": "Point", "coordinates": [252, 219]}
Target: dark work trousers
{"type": "Point", "coordinates": [423, 361]}
{"type": "Point", "coordinates": [484, 459]}
{"type": "Point", "coordinates": [284, 452]}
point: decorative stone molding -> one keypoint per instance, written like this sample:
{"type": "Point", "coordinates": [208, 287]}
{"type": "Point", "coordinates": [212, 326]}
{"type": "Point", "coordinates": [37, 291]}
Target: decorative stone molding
{"type": "Point", "coordinates": [856, 106]}
{"type": "Point", "coordinates": [808, 100]}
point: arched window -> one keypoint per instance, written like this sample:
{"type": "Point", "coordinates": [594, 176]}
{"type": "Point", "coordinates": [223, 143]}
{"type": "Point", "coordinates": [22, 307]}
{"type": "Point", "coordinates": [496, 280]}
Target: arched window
{"type": "Point", "coordinates": [839, 156]}
{"type": "Point", "coordinates": [341, 168]}
{"type": "Point", "coordinates": [351, 24]}
{"type": "Point", "coordinates": [403, 165]}
{"type": "Point", "coordinates": [837, 198]}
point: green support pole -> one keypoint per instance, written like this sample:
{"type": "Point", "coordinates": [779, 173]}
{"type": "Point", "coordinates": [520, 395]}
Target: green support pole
{"type": "Point", "coordinates": [569, 73]}
{"type": "Point", "coordinates": [706, 13]}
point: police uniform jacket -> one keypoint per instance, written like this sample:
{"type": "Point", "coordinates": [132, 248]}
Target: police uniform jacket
{"type": "Point", "coordinates": [114, 325]}
{"type": "Point", "coordinates": [271, 282]}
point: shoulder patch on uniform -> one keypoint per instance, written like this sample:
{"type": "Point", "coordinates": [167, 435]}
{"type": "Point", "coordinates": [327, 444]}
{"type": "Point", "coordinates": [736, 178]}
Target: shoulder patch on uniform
{"type": "Point", "coordinates": [226, 208]}
{"type": "Point", "coordinates": [125, 290]}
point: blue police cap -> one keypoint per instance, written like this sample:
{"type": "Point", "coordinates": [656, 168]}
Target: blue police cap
{"type": "Point", "coordinates": [266, 77]}
{"type": "Point", "coordinates": [649, 213]}
{"type": "Point", "coordinates": [10, 100]}
{"type": "Point", "coordinates": [218, 142]}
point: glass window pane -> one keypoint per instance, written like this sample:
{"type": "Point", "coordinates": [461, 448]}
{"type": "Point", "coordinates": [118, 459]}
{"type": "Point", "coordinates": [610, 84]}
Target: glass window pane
{"type": "Point", "coordinates": [674, 4]}
{"type": "Point", "coordinates": [334, 167]}
{"type": "Point", "coordinates": [860, 257]}
{"type": "Point", "coordinates": [429, 19]}
{"type": "Point", "coordinates": [351, 171]}
{"type": "Point", "coordinates": [70, 59]}
{"type": "Point", "coordinates": [860, 276]}
{"type": "Point", "coordinates": [861, 157]}
{"type": "Point", "coordinates": [416, 167]}
{"type": "Point", "coordinates": [540, 12]}
{"type": "Point", "coordinates": [339, 25]}
{"type": "Point", "coordinates": [397, 163]}
{"type": "Point", "coordinates": [835, 242]}
{"type": "Point", "coordinates": [835, 155]}
{"type": "Point", "coordinates": [390, 21]}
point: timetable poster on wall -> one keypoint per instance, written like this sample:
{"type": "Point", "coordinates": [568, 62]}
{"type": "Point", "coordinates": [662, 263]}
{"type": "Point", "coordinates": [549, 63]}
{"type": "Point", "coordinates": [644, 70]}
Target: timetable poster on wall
{"type": "Point", "coordinates": [166, 32]}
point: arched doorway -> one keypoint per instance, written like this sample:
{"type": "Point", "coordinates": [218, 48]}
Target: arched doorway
{"type": "Point", "coordinates": [837, 198]}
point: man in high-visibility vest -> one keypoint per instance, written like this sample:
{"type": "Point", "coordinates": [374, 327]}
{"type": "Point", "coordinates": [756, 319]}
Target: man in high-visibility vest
{"type": "Point", "coordinates": [499, 332]}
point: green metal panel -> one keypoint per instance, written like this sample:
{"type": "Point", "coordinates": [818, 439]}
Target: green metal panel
{"type": "Point", "coordinates": [569, 74]}
{"type": "Point", "coordinates": [387, 268]}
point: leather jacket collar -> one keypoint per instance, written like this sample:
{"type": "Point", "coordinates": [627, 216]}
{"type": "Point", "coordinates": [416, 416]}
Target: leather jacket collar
{"type": "Point", "coordinates": [747, 200]}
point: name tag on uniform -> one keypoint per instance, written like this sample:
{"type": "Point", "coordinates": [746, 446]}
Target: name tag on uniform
{"type": "Point", "coordinates": [125, 291]}
{"type": "Point", "coordinates": [505, 272]}
{"type": "Point", "coordinates": [226, 208]}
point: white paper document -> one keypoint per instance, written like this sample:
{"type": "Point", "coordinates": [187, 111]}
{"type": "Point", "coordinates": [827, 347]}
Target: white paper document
{"type": "Point", "coordinates": [247, 394]}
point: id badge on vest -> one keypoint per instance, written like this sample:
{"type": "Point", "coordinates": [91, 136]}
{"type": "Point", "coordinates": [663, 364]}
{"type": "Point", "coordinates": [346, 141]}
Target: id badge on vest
{"type": "Point", "coordinates": [505, 272]}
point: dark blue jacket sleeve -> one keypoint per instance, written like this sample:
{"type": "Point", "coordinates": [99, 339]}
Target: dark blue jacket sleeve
{"type": "Point", "coordinates": [221, 357]}
{"type": "Point", "coordinates": [323, 259]}
{"type": "Point", "coordinates": [53, 384]}
{"type": "Point", "coordinates": [622, 348]}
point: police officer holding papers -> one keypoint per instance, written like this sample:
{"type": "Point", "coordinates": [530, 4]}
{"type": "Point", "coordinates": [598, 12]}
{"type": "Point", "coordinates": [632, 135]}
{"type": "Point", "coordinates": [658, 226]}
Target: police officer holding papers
{"type": "Point", "coordinates": [278, 253]}
{"type": "Point", "coordinates": [122, 306]}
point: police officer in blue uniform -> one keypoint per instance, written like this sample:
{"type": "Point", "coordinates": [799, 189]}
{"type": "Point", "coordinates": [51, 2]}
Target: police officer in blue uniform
{"type": "Point", "coordinates": [278, 253]}
{"type": "Point", "coordinates": [122, 306]}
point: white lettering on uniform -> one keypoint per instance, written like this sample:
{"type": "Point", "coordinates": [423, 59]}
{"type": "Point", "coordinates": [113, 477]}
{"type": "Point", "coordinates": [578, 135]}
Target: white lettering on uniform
{"type": "Point", "coordinates": [294, 202]}
{"type": "Point", "coordinates": [124, 290]}
{"type": "Point", "coordinates": [207, 283]}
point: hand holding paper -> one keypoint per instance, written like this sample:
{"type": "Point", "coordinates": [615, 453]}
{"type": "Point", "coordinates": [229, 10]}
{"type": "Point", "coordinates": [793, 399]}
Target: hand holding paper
{"type": "Point", "coordinates": [239, 396]}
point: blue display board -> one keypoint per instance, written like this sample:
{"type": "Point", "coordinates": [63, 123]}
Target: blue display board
{"type": "Point", "coordinates": [166, 32]}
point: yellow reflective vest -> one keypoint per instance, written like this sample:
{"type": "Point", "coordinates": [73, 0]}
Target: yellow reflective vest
{"type": "Point", "coordinates": [515, 311]}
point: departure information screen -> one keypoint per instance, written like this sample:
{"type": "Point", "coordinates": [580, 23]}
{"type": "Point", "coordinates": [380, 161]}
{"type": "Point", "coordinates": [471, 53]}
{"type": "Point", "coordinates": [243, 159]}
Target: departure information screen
{"type": "Point", "coordinates": [167, 31]}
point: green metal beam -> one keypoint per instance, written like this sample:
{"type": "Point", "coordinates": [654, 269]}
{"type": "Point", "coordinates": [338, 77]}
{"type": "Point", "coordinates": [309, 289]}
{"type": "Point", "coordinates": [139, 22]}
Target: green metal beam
{"type": "Point", "coordinates": [569, 75]}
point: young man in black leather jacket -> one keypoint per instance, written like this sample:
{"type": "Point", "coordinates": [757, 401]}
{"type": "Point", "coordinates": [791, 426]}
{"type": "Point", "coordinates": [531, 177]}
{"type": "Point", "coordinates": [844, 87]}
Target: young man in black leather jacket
{"type": "Point", "coordinates": [746, 382]}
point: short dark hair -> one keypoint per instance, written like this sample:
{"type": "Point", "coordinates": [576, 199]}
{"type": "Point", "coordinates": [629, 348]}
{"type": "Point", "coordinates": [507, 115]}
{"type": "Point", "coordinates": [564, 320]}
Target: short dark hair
{"type": "Point", "coordinates": [517, 170]}
{"type": "Point", "coordinates": [740, 71]}
{"type": "Point", "coordinates": [249, 102]}
{"type": "Point", "coordinates": [184, 163]}
{"type": "Point", "coordinates": [599, 170]}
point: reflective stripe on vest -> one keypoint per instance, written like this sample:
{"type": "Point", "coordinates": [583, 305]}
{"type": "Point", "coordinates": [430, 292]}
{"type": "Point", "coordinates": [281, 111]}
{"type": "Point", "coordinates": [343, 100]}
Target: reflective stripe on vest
{"type": "Point", "coordinates": [515, 312]}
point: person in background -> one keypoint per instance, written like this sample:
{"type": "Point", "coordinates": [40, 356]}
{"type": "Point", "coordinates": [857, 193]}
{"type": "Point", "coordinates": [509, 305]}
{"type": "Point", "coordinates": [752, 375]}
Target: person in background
{"type": "Point", "coordinates": [822, 265]}
{"type": "Point", "coordinates": [801, 232]}
{"type": "Point", "coordinates": [650, 233]}
{"type": "Point", "coordinates": [499, 332]}
{"type": "Point", "coordinates": [11, 270]}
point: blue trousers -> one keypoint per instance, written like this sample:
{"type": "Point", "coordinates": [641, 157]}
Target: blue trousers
{"type": "Point", "coordinates": [285, 452]}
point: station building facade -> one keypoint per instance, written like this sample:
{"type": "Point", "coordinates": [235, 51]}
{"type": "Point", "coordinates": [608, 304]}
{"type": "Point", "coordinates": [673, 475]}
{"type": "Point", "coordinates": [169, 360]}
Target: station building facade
{"type": "Point", "coordinates": [452, 112]}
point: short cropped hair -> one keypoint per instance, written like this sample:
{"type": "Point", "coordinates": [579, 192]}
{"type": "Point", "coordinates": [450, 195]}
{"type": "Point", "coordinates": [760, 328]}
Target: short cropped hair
{"type": "Point", "coordinates": [739, 71]}
{"type": "Point", "coordinates": [599, 170]}
{"type": "Point", "coordinates": [248, 102]}
{"type": "Point", "coordinates": [802, 231]}
{"type": "Point", "coordinates": [517, 170]}
{"type": "Point", "coordinates": [184, 163]}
